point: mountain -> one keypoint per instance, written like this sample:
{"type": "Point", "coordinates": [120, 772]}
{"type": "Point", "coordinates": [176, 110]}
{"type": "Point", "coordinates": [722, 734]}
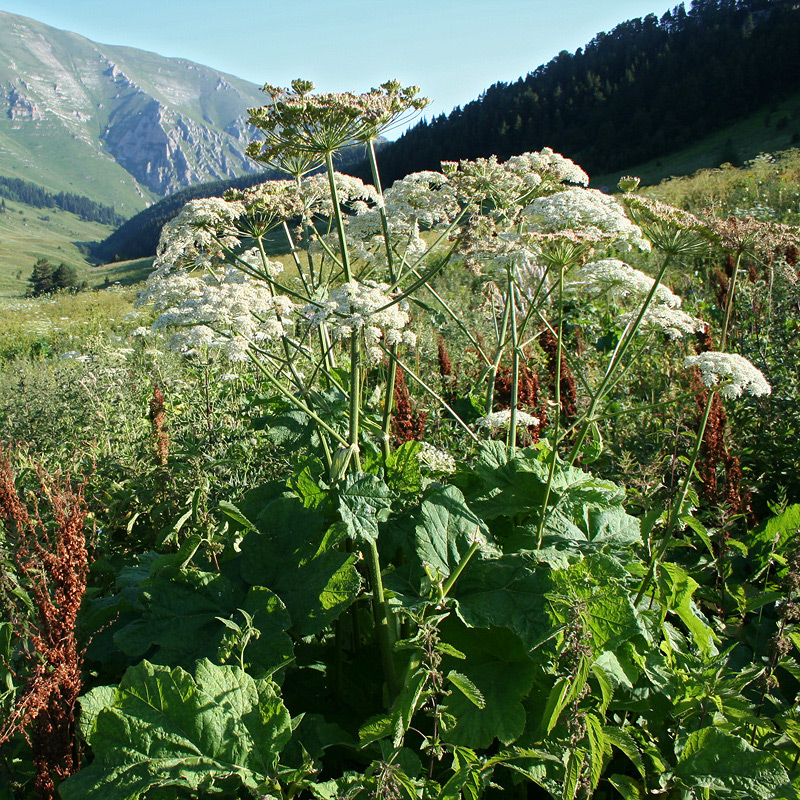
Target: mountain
{"type": "Point", "coordinates": [120, 125]}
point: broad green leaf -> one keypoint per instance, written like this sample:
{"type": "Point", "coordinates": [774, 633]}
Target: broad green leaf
{"type": "Point", "coordinates": [499, 668]}
{"type": "Point", "coordinates": [273, 646]}
{"type": "Point", "coordinates": [598, 747]}
{"type": "Point", "coordinates": [289, 555]}
{"type": "Point", "coordinates": [597, 586]}
{"type": "Point", "coordinates": [91, 704]}
{"type": "Point", "coordinates": [626, 744]}
{"type": "Point", "coordinates": [556, 701]}
{"type": "Point", "coordinates": [180, 616]}
{"type": "Point", "coordinates": [166, 728]}
{"type": "Point", "coordinates": [403, 468]}
{"type": "Point", "coordinates": [573, 773]}
{"type": "Point", "coordinates": [363, 503]}
{"type": "Point", "coordinates": [446, 530]}
{"type": "Point", "coordinates": [508, 591]}
{"type": "Point", "coordinates": [230, 510]}
{"type": "Point", "coordinates": [720, 761]}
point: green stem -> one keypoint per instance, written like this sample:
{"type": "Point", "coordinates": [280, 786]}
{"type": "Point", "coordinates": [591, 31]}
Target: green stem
{"type": "Point", "coordinates": [512, 425]}
{"type": "Point", "coordinates": [678, 504]}
{"type": "Point", "coordinates": [382, 626]}
{"type": "Point", "coordinates": [376, 180]}
{"type": "Point", "coordinates": [298, 403]}
{"type": "Point", "coordinates": [388, 402]}
{"type": "Point", "coordinates": [435, 396]}
{"type": "Point", "coordinates": [729, 305]}
{"type": "Point", "coordinates": [473, 548]}
{"type": "Point", "coordinates": [554, 454]}
{"type": "Point", "coordinates": [355, 392]}
{"type": "Point", "coordinates": [452, 314]}
{"type": "Point", "coordinates": [295, 257]}
{"type": "Point", "coordinates": [491, 372]}
{"type": "Point", "coordinates": [588, 417]}
{"type": "Point", "coordinates": [337, 213]}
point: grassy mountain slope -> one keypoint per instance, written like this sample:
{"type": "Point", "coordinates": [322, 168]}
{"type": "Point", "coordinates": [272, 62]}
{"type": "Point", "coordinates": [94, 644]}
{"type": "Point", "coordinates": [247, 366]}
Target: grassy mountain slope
{"type": "Point", "coordinates": [27, 234]}
{"type": "Point", "coordinates": [119, 124]}
{"type": "Point", "coordinates": [774, 127]}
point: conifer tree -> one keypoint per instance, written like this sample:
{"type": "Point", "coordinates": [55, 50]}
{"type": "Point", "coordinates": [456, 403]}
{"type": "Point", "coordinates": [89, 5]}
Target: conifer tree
{"type": "Point", "coordinates": [41, 279]}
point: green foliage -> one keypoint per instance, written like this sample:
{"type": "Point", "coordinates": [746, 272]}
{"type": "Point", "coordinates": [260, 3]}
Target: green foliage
{"type": "Point", "coordinates": [169, 728]}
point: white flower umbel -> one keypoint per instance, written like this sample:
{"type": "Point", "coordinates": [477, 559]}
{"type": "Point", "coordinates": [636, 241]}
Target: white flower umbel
{"type": "Point", "coordinates": [620, 281]}
{"type": "Point", "coordinates": [588, 211]}
{"type": "Point", "coordinates": [733, 374]}
{"type": "Point", "coordinates": [216, 308]}
{"type": "Point", "coordinates": [663, 319]}
{"type": "Point", "coordinates": [502, 419]}
{"type": "Point", "coordinates": [422, 197]}
{"type": "Point", "coordinates": [192, 236]}
{"type": "Point", "coordinates": [357, 307]}
{"type": "Point", "coordinates": [546, 165]}
{"type": "Point", "coordinates": [436, 460]}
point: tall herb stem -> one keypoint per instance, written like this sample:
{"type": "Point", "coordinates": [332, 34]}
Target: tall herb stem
{"type": "Point", "coordinates": [556, 424]}
{"type": "Point", "coordinates": [587, 418]}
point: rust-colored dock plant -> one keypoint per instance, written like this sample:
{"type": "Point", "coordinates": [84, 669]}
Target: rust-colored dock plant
{"type": "Point", "coordinates": [47, 544]}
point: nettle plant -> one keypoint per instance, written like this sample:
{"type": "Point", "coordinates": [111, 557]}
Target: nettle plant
{"type": "Point", "coordinates": [405, 621]}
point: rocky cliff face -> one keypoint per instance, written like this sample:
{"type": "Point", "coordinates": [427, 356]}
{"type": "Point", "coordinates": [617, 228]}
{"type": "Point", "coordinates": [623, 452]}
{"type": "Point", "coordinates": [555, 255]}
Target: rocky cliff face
{"type": "Point", "coordinates": [88, 112]}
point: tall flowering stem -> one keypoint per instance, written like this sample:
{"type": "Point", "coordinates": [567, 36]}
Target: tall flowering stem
{"type": "Point", "coordinates": [512, 427]}
{"type": "Point", "coordinates": [557, 421]}
{"type": "Point", "coordinates": [729, 304]}
{"type": "Point", "coordinates": [53, 567]}
{"type": "Point", "coordinates": [337, 212]}
{"type": "Point", "coordinates": [588, 417]}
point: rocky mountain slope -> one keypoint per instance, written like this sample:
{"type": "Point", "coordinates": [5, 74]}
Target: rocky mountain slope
{"type": "Point", "coordinates": [120, 125]}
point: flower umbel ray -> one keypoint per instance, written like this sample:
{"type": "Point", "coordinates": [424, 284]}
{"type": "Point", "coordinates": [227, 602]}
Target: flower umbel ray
{"type": "Point", "coordinates": [298, 121]}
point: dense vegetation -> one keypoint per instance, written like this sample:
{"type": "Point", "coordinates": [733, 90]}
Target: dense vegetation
{"type": "Point", "coordinates": [646, 88]}
{"type": "Point", "coordinates": [33, 195]}
{"type": "Point", "coordinates": [449, 503]}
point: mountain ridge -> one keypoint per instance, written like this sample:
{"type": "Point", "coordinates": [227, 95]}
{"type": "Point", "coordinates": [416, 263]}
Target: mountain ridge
{"type": "Point", "coordinates": [147, 125]}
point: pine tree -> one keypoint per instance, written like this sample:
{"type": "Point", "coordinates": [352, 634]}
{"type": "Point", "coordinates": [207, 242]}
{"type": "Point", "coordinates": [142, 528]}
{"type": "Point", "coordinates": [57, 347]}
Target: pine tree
{"type": "Point", "coordinates": [65, 277]}
{"type": "Point", "coordinates": [41, 279]}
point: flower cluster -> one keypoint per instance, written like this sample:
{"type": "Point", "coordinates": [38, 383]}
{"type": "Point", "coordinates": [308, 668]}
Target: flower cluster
{"type": "Point", "coordinates": [423, 197]}
{"type": "Point", "coordinates": [547, 165]}
{"type": "Point", "coordinates": [365, 308]}
{"type": "Point", "coordinates": [196, 236]}
{"type": "Point", "coordinates": [620, 281]}
{"type": "Point", "coordinates": [217, 309]}
{"type": "Point", "coordinates": [436, 460]}
{"type": "Point", "coordinates": [502, 419]}
{"type": "Point", "coordinates": [665, 319]}
{"type": "Point", "coordinates": [735, 373]}
{"type": "Point", "coordinates": [587, 212]}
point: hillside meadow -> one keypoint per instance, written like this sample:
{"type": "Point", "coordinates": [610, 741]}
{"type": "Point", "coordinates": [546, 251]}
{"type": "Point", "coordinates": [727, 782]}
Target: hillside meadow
{"type": "Point", "coordinates": [486, 486]}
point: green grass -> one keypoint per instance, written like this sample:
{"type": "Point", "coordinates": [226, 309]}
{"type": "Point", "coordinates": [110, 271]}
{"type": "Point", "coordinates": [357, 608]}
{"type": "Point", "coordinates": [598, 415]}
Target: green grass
{"type": "Point", "coordinates": [772, 128]}
{"type": "Point", "coordinates": [27, 234]}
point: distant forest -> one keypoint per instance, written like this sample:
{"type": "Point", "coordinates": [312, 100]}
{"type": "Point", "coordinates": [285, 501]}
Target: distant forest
{"type": "Point", "coordinates": [29, 193]}
{"type": "Point", "coordinates": [647, 88]}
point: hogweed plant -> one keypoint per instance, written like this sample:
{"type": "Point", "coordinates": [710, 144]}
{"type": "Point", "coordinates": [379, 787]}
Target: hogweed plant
{"type": "Point", "coordinates": [505, 585]}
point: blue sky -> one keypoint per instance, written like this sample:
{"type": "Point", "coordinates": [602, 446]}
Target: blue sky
{"type": "Point", "coordinates": [453, 49]}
